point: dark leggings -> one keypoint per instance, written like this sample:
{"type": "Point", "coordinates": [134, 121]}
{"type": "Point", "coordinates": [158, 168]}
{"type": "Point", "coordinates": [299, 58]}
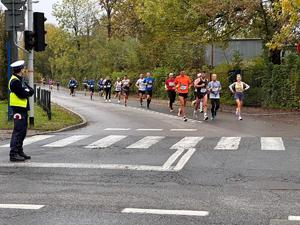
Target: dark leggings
{"type": "Point", "coordinates": [107, 93]}
{"type": "Point", "coordinates": [172, 97]}
{"type": "Point", "coordinates": [215, 105]}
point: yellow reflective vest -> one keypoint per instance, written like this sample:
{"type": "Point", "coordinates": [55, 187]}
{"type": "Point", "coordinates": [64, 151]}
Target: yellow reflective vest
{"type": "Point", "coordinates": [14, 99]}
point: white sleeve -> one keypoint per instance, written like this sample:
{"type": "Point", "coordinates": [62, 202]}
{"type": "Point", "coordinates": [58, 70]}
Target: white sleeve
{"type": "Point", "coordinates": [231, 87]}
{"type": "Point", "coordinates": [247, 86]}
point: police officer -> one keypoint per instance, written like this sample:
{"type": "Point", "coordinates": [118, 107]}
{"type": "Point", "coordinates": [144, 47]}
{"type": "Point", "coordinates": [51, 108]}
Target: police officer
{"type": "Point", "coordinates": [19, 93]}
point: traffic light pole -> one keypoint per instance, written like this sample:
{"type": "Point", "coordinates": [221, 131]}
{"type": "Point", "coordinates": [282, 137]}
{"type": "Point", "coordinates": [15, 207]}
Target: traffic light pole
{"type": "Point", "coordinates": [30, 63]}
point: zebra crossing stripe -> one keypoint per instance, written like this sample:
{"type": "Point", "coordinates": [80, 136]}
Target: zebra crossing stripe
{"type": "Point", "coordinates": [272, 144]}
{"type": "Point", "coordinates": [106, 142]}
{"type": "Point", "coordinates": [31, 140]}
{"type": "Point", "coordinates": [228, 143]}
{"type": "Point", "coordinates": [166, 212]}
{"type": "Point", "coordinates": [294, 218]}
{"type": "Point", "coordinates": [66, 141]}
{"type": "Point", "coordinates": [187, 143]}
{"type": "Point", "coordinates": [146, 142]}
{"type": "Point", "coordinates": [20, 206]}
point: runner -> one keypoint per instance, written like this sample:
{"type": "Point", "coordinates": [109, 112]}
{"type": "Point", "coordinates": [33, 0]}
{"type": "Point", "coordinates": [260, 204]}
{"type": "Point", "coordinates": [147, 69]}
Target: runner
{"type": "Point", "coordinates": [125, 88]}
{"type": "Point", "coordinates": [118, 89]}
{"type": "Point", "coordinates": [107, 89]}
{"type": "Point", "coordinates": [141, 88]}
{"type": "Point", "coordinates": [238, 88]}
{"type": "Point", "coordinates": [149, 82]}
{"type": "Point", "coordinates": [72, 85]}
{"type": "Point", "coordinates": [85, 85]}
{"type": "Point", "coordinates": [100, 85]}
{"type": "Point", "coordinates": [183, 83]}
{"type": "Point", "coordinates": [171, 89]}
{"type": "Point", "coordinates": [200, 85]}
{"type": "Point", "coordinates": [214, 88]}
{"type": "Point", "coordinates": [91, 85]}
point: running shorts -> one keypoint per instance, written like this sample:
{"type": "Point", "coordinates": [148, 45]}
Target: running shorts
{"type": "Point", "coordinates": [239, 96]}
{"type": "Point", "coordinates": [184, 95]}
{"type": "Point", "coordinates": [142, 92]}
{"type": "Point", "coordinates": [149, 93]}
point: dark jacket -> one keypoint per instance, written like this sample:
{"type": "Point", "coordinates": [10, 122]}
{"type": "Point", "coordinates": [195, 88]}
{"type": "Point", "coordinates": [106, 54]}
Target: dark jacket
{"type": "Point", "coordinates": [20, 88]}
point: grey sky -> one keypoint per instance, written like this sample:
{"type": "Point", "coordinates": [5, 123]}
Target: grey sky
{"type": "Point", "coordinates": [46, 7]}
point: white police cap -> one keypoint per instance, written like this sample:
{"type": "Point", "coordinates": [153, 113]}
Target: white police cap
{"type": "Point", "coordinates": [18, 64]}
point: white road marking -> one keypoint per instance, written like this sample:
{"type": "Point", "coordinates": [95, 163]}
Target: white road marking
{"type": "Point", "coordinates": [31, 140]}
{"type": "Point", "coordinates": [228, 143]}
{"type": "Point", "coordinates": [117, 129]}
{"type": "Point", "coordinates": [187, 142]}
{"type": "Point", "coordinates": [294, 218]}
{"type": "Point", "coordinates": [146, 142]}
{"type": "Point", "coordinates": [149, 129]}
{"type": "Point", "coordinates": [272, 144]}
{"type": "Point", "coordinates": [172, 159]}
{"type": "Point", "coordinates": [166, 212]}
{"type": "Point", "coordinates": [83, 166]}
{"type": "Point", "coordinates": [106, 142]}
{"type": "Point", "coordinates": [187, 130]}
{"type": "Point", "coordinates": [184, 159]}
{"type": "Point", "coordinates": [66, 141]}
{"type": "Point", "coordinates": [20, 206]}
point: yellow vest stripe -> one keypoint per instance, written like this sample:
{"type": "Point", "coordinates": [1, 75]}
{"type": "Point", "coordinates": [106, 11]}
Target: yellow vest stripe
{"type": "Point", "coordinates": [14, 99]}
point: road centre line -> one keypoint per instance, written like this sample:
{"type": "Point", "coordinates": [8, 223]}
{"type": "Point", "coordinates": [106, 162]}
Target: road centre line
{"type": "Point", "coordinates": [84, 166]}
{"type": "Point", "coordinates": [166, 212]}
{"type": "Point", "coordinates": [294, 218]}
{"type": "Point", "coordinates": [31, 140]}
{"type": "Point", "coordinates": [20, 206]}
{"type": "Point", "coordinates": [67, 141]}
{"type": "Point", "coordinates": [173, 158]}
{"type": "Point", "coordinates": [272, 144]}
{"type": "Point", "coordinates": [184, 159]}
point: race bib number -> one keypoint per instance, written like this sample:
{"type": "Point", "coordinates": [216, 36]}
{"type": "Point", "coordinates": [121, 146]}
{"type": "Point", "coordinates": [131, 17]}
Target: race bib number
{"type": "Point", "coordinates": [171, 84]}
{"type": "Point", "coordinates": [203, 90]}
{"type": "Point", "coordinates": [108, 86]}
{"type": "Point", "coordinates": [183, 87]}
{"type": "Point", "coordinates": [215, 89]}
{"type": "Point", "coordinates": [149, 85]}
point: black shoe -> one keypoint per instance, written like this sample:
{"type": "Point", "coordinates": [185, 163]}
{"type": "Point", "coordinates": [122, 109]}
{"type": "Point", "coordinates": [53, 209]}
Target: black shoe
{"type": "Point", "coordinates": [26, 157]}
{"type": "Point", "coordinates": [16, 158]}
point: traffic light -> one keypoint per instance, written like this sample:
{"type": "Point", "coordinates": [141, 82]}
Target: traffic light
{"type": "Point", "coordinates": [39, 31]}
{"type": "Point", "coordinates": [29, 40]}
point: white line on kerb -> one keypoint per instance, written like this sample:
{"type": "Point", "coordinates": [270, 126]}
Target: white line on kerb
{"type": "Point", "coordinates": [20, 206]}
{"type": "Point", "coordinates": [187, 130]}
{"type": "Point", "coordinates": [184, 159]}
{"type": "Point", "coordinates": [294, 218]}
{"type": "Point", "coordinates": [166, 212]}
{"type": "Point", "coordinates": [117, 129]}
{"type": "Point", "coordinates": [272, 144]}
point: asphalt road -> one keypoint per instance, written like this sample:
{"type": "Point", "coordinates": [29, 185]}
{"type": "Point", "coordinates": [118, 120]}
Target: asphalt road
{"type": "Point", "coordinates": [136, 166]}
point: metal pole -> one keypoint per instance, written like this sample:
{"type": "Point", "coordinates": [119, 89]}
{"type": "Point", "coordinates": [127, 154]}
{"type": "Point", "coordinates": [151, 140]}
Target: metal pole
{"type": "Point", "coordinates": [30, 63]}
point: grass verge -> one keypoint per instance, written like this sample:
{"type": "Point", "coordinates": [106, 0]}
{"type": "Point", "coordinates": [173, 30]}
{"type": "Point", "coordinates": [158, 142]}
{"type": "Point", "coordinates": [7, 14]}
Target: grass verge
{"type": "Point", "coordinates": [61, 118]}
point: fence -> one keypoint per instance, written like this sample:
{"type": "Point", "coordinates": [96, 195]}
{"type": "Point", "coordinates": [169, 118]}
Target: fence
{"type": "Point", "coordinates": [43, 98]}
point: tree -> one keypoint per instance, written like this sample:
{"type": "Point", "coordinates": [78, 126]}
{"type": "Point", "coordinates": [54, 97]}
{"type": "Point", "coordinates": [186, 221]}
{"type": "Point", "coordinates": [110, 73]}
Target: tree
{"type": "Point", "coordinates": [108, 6]}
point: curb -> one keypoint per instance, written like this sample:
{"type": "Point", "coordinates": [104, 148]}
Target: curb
{"type": "Point", "coordinates": [69, 128]}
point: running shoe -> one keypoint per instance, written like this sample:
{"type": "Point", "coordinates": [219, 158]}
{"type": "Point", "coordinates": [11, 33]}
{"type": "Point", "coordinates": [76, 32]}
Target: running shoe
{"type": "Point", "coordinates": [109, 100]}
{"type": "Point", "coordinates": [200, 110]}
{"type": "Point", "coordinates": [119, 101]}
{"type": "Point", "coordinates": [212, 118]}
{"type": "Point", "coordinates": [184, 119]}
{"type": "Point", "coordinates": [205, 117]}
{"type": "Point", "coordinates": [240, 118]}
{"type": "Point", "coordinates": [171, 110]}
{"type": "Point", "coordinates": [106, 100]}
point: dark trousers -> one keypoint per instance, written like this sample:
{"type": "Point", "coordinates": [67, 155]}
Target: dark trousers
{"type": "Point", "coordinates": [19, 134]}
{"type": "Point", "coordinates": [215, 105]}
{"type": "Point", "coordinates": [172, 97]}
{"type": "Point", "coordinates": [107, 93]}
